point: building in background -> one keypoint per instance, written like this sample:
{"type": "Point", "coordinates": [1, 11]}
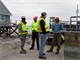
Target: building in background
{"type": "Point", "coordinates": [4, 14]}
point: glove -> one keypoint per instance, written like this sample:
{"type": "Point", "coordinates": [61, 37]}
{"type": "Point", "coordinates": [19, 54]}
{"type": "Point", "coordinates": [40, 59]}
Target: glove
{"type": "Point", "coordinates": [34, 31]}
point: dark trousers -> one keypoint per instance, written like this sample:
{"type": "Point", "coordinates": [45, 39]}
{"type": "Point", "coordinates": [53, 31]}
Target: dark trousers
{"type": "Point", "coordinates": [35, 36]}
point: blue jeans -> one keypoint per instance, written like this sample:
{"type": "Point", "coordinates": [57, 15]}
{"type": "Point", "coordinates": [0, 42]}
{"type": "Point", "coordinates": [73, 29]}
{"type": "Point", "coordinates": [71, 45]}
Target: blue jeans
{"type": "Point", "coordinates": [23, 39]}
{"type": "Point", "coordinates": [42, 44]}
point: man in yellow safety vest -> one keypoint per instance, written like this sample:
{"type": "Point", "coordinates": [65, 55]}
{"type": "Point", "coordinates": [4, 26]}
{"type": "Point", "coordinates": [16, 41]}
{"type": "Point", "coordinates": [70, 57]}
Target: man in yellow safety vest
{"type": "Point", "coordinates": [22, 31]}
{"type": "Point", "coordinates": [35, 33]}
{"type": "Point", "coordinates": [43, 29]}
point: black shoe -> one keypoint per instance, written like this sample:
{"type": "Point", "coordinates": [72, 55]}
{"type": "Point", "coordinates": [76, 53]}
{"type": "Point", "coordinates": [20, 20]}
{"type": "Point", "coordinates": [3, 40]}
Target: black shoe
{"type": "Point", "coordinates": [37, 48]}
{"type": "Point", "coordinates": [56, 53]}
{"type": "Point", "coordinates": [43, 53]}
{"type": "Point", "coordinates": [31, 48]}
{"type": "Point", "coordinates": [42, 57]}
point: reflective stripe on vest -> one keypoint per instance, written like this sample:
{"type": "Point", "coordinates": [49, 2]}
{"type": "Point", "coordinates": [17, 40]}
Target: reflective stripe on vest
{"type": "Point", "coordinates": [21, 32]}
{"type": "Point", "coordinates": [46, 26]}
{"type": "Point", "coordinates": [23, 28]}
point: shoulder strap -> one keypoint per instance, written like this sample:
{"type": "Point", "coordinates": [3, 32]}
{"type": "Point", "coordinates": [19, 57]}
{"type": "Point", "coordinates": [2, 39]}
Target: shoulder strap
{"type": "Point", "coordinates": [21, 23]}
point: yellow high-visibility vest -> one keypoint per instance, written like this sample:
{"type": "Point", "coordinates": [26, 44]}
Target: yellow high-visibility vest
{"type": "Point", "coordinates": [46, 26]}
{"type": "Point", "coordinates": [34, 26]}
{"type": "Point", "coordinates": [23, 28]}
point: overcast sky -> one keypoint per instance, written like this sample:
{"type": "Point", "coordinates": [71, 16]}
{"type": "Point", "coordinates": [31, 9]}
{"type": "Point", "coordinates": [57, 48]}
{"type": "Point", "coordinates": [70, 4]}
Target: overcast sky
{"type": "Point", "coordinates": [30, 8]}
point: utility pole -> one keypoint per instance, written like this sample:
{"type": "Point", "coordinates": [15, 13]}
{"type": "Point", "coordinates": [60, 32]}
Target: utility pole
{"type": "Point", "coordinates": [77, 12]}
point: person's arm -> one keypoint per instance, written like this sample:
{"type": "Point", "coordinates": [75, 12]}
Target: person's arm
{"type": "Point", "coordinates": [20, 28]}
{"type": "Point", "coordinates": [42, 23]}
{"type": "Point", "coordinates": [61, 28]}
{"type": "Point", "coordinates": [53, 29]}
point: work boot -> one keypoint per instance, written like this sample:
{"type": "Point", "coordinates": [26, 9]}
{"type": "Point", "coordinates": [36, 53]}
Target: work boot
{"type": "Point", "coordinates": [23, 51]}
{"type": "Point", "coordinates": [50, 50]}
{"type": "Point", "coordinates": [37, 48]}
{"type": "Point", "coordinates": [42, 57]}
{"type": "Point", "coordinates": [31, 48]}
{"type": "Point", "coordinates": [43, 53]}
{"type": "Point", "coordinates": [57, 52]}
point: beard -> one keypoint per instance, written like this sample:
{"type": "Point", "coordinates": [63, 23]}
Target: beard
{"type": "Point", "coordinates": [23, 20]}
{"type": "Point", "coordinates": [57, 21]}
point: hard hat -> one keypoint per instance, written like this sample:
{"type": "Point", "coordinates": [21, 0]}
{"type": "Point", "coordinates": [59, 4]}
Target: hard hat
{"type": "Point", "coordinates": [23, 17]}
{"type": "Point", "coordinates": [43, 13]}
{"type": "Point", "coordinates": [57, 18]}
{"type": "Point", "coordinates": [36, 17]}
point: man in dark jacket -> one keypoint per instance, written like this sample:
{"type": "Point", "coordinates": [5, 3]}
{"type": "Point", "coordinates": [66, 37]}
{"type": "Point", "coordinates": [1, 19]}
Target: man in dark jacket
{"type": "Point", "coordinates": [43, 29]}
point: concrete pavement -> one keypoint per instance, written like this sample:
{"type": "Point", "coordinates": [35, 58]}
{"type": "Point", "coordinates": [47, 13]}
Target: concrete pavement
{"type": "Point", "coordinates": [9, 50]}
{"type": "Point", "coordinates": [31, 54]}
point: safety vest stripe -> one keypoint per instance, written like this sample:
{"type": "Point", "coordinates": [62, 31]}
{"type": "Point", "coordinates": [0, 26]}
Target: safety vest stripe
{"type": "Point", "coordinates": [21, 23]}
{"type": "Point", "coordinates": [34, 26]}
{"type": "Point", "coordinates": [21, 32]}
{"type": "Point", "coordinates": [41, 30]}
{"type": "Point", "coordinates": [45, 28]}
